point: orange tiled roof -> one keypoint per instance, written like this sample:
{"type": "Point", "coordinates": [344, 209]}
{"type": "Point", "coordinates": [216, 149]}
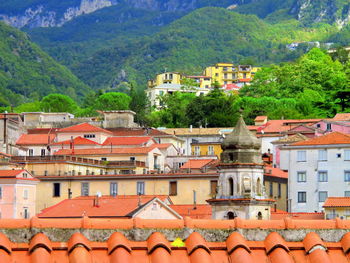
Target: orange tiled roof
{"type": "Point", "coordinates": [275, 172]}
{"type": "Point", "coordinates": [108, 206]}
{"type": "Point", "coordinates": [331, 138]}
{"type": "Point", "coordinates": [155, 247]}
{"type": "Point", "coordinates": [83, 127]}
{"type": "Point", "coordinates": [337, 202]}
{"type": "Point", "coordinates": [106, 151]}
{"type": "Point", "coordinates": [342, 117]}
{"type": "Point", "coordinates": [10, 173]}
{"type": "Point", "coordinates": [35, 139]}
{"type": "Point", "coordinates": [137, 132]}
{"type": "Point", "coordinates": [193, 211]}
{"type": "Point", "coordinates": [127, 140]}
{"type": "Point", "coordinates": [303, 216]}
{"type": "Point", "coordinates": [196, 163]}
{"type": "Point", "coordinates": [77, 141]}
{"type": "Point", "coordinates": [279, 126]}
{"type": "Point", "coordinates": [260, 118]}
{"type": "Point", "coordinates": [161, 145]}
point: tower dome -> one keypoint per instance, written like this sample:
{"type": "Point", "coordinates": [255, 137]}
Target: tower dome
{"type": "Point", "coordinates": [241, 146]}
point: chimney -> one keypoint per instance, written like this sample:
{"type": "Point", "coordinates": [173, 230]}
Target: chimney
{"type": "Point", "coordinates": [97, 199]}
{"type": "Point", "coordinates": [139, 203]}
{"type": "Point", "coordinates": [191, 128]}
{"type": "Point", "coordinates": [194, 200]}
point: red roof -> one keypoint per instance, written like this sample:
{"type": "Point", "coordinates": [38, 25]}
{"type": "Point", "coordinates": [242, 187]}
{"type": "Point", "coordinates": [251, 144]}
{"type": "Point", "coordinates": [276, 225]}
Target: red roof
{"type": "Point", "coordinates": [108, 206]}
{"type": "Point", "coordinates": [161, 145]}
{"type": "Point", "coordinates": [193, 211]}
{"type": "Point", "coordinates": [196, 163]}
{"type": "Point", "coordinates": [297, 241]}
{"type": "Point", "coordinates": [245, 80]}
{"type": "Point", "coordinates": [342, 117]}
{"type": "Point", "coordinates": [36, 139]}
{"type": "Point", "coordinates": [276, 172]}
{"type": "Point", "coordinates": [231, 87]}
{"type": "Point", "coordinates": [77, 141]}
{"type": "Point", "coordinates": [127, 140]}
{"type": "Point", "coordinates": [83, 127]}
{"type": "Point", "coordinates": [260, 118]}
{"type": "Point", "coordinates": [42, 130]}
{"type": "Point", "coordinates": [137, 132]}
{"type": "Point", "coordinates": [279, 126]}
{"type": "Point", "coordinates": [331, 138]}
{"type": "Point", "coordinates": [337, 202]}
{"type": "Point", "coordinates": [10, 173]}
{"type": "Point", "coordinates": [302, 216]}
{"type": "Point", "coordinates": [106, 151]}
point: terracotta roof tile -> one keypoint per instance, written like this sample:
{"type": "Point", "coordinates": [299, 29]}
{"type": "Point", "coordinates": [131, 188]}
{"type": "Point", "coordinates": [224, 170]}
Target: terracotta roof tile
{"type": "Point", "coordinates": [112, 246]}
{"type": "Point", "coordinates": [280, 126]}
{"type": "Point", "coordinates": [331, 138]}
{"type": "Point", "coordinates": [275, 172]}
{"type": "Point", "coordinates": [77, 141]}
{"type": "Point", "coordinates": [105, 151]}
{"type": "Point", "coordinates": [83, 127]}
{"type": "Point", "coordinates": [196, 163]}
{"type": "Point", "coordinates": [106, 206]}
{"type": "Point", "coordinates": [141, 140]}
{"type": "Point", "coordinates": [337, 202]}
{"type": "Point", "coordinates": [36, 139]}
{"type": "Point", "coordinates": [137, 132]}
{"type": "Point", "coordinates": [291, 139]}
{"type": "Point", "coordinates": [195, 212]}
{"type": "Point", "coordinates": [342, 117]}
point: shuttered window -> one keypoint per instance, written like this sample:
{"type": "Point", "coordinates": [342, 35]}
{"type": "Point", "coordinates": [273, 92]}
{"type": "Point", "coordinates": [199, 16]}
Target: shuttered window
{"type": "Point", "coordinates": [173, 188]}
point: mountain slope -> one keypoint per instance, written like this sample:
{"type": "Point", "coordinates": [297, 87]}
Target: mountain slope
{"type": "Point", "coordinates": [203, 37]}
{"type": "Point", "coordinates": [26, 71]}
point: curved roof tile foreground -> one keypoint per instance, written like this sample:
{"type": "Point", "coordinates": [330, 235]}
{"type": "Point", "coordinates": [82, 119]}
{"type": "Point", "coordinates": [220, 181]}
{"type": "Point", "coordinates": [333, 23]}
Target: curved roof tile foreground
{"type": "Point", "coordinates": [157, 249]}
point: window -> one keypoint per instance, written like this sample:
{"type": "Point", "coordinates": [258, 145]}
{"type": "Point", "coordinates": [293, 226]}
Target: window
{"type": "Point", "coordinates": [25, 175]}
{"type": "Point", "coordinates": [89, 135]}
{"type": "Point", "coordinates": [301, 197]}
{"type": "Point", "coordinates": [140, 188]}
{"type": "Point", "coordinates": [347, 176]}
{"type": "Point", "coordinates": [322, 155]}
{"type": "Point", "coordinates": [347, 155]}
{"type": "Point", "coordinates": [56, 189]}
{"type": "Point", "coordinates": [173, 188]}
{"type": "Point", "coordinates": [279, 190]}
{"type": "Point", "coordinates": [338, 155]}
{"type": "Point", "coordinates": [25, 194]}
{"type": "Point", "coordinates": [197, 150]}
{"type": "Point", "coordinates": [347, 193]}
{"type": "Point", "coordinates": [301, 177]}
{"type": "Point", "coordinates": [132, 158]}
{"type": "Point", "coordinates": [25, 212]}
{"type": "Point", "coordinates": [271, 189]}
{"type": "Point", "coordinates": [301, 156]}
{"type": "Point", "coordinates": [42, 152]}
{"type": "Point", "coordinates": [210, 150]}
{"type": "Point", "coordinates": [322, 196]}
{"type": "Point", "coordinates": [104, 159]}
{"type": "Point", "coordinates": [329, 126]}
{"type": "Point", "coordinates": [114, 189]}
{"type": "Point", "coordinates": [85, 189]}
{"type": "Point", "coordinates": [31, 152]}
{"type": "Point", "coordinates": [322, 176]}
{"type": "Point", "coordinates": [213, 187]}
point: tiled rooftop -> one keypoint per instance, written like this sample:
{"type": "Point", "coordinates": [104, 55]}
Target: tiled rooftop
{"type": "Point", "coordinates": [35, 139]}
{"type": "Point", "coordinates": [337, 202]}
{"type": "Point", "coordinates": [342, 117]}
{"type": "Point", "coordinates": [77, 141]}
{"type": "Point", "coordinates": [105, 151]}
{"type": "Point", "coordinates": [127, 140]}
{"type": "Point", "coordinates": [328, 139]}
{"type": "Point", "coordinates": [46, 242]}
{"type": "Point", "coordinates": [196, 163]}
{"type": "Point", "coordinates": [275, 172]}
{"type": "Point", "coordinates": [83, 127]}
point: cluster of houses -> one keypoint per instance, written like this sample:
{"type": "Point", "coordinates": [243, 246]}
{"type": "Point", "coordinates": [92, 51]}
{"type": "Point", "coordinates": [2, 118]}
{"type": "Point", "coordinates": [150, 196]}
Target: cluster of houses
{"type": "Point", "coordinates": [230, 77]}
{"type": "Point", "coordinates": [54, 165]}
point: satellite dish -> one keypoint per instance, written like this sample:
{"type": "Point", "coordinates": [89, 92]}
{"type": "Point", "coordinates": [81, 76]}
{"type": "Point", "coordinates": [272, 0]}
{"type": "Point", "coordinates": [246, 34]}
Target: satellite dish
{"type": "Point", "coordinates": [99, 194]}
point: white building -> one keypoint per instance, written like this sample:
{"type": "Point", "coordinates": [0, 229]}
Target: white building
{"type": "Point", "coordinates": [154, 94]}
{"type": "Point", "coordinates": [318, 168]}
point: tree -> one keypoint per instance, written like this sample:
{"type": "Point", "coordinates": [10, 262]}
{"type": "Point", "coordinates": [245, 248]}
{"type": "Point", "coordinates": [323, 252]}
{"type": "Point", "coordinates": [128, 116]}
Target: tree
{"type": "Point", "coordinates": [58, 103]}
{"type": "Point", "coordinates": [113, 101]}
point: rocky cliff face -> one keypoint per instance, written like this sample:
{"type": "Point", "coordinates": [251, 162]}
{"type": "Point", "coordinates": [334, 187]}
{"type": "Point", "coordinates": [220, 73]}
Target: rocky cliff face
{"type": "Point", "coordinates": [50, 13]}
{"type": "Point", "coordinates": [328, 11]}
{"type": "Point", "coordinates": [42, 16]}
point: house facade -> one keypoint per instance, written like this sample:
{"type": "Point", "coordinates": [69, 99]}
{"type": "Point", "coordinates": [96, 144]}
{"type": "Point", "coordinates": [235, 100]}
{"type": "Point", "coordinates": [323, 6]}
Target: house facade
{"type": "Point", "coordinates": [318, 168]}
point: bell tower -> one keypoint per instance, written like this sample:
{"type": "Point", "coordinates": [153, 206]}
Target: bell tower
{"type": "Point", "coordinates": [241, 178]}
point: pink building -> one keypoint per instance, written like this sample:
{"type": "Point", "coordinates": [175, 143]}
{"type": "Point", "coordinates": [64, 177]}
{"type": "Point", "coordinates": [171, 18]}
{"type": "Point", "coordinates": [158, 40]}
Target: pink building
{"type": "Point", "coordinates": [17, 194]}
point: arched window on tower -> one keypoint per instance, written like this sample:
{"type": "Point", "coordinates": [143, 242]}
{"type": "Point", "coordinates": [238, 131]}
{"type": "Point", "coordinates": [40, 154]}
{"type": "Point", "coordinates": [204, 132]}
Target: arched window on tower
{"type": "Point", "coordinates": [231, 215]}
{"type": "Point", "coordinates": [230, 185]}
{"type": "Point", "coordinates": [258, 187]}
{"type": "Point", "coordinates": [259, 216]}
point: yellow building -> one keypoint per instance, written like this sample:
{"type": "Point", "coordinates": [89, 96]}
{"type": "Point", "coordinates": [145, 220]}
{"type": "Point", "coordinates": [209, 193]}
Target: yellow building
{"type": "Point", "coordinates": [182, 188]}
{"type": "Point", "coordinates": [206, 148]}
{"type": "Point", "coordinates": [165, 78]}
{"type": "Point", "coordinates": [337, 207]}
{"type": "Point", "coordinates": [276, 186]}
{"type": "Point", "coordinates": [228, 73]}
{"type": "Point", "coordinates": [202, 81]}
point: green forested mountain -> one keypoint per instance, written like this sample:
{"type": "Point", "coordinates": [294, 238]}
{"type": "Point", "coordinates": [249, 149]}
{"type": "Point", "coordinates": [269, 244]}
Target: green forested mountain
{"type": "Point", "coordinates": [28, 72]}
{"type": "Point", "coordinates": [203, 37]}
